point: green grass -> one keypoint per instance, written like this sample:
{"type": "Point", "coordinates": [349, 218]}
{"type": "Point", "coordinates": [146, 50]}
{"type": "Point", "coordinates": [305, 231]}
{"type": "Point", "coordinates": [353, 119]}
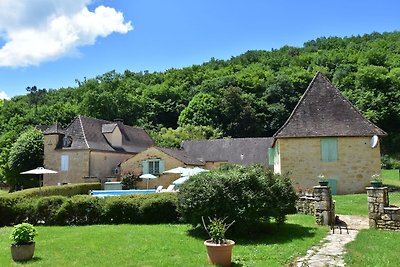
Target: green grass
{"type": "Point", "coordinates": [373, 248]}
{"type": "Point", "coordinates": [352, 204]}
{"type": "Point", "coordinates": [391, 177]}
{"type": "Point", "coordinates": [161, 245]}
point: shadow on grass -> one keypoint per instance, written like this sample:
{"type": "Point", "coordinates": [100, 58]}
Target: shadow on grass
{"type": "Point", "coordinates": [34, 259]}
{"type": "Point", "coordinates": [266, 234]}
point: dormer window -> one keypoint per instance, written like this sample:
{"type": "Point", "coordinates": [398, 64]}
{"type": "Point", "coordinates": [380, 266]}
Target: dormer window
{"type": "Point", "coordinates": [67, 141]}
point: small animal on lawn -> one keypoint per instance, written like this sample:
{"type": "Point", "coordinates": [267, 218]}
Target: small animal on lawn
{"type": "Point", "coordinates": [338, 223]}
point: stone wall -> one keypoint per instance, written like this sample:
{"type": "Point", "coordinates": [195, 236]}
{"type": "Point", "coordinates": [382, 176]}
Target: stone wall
{"type": "Point", "coordinates": [381, 214]}
{"type": "Point", "coordinates": [319, 203]}
{"type": "Point", "coordinates": [301, 157]}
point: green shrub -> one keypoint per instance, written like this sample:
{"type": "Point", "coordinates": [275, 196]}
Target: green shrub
{"type": "Point", "coordinates": [47, 208]}
{"type": "Point", "coordinates": [64, 190]}
{"type": "Point", "coordinates": [129, 181]}
{"type": "Point", "coordinates": [159, 208]}
{"type": "Point", "coordinates": [248, 195]}
{"type": "Point", "coordinates": [80, 210]}
{"type": "Point", "coordinates": [23, 234]}
{"type": "Point", "coordinates": [390, 162]}
{"type": "Point", "coordinates": [120, 210]}
{"type": "Point", "coordinates": [25, 211]}
{"type": "Point", "coordinates": [8, 212]}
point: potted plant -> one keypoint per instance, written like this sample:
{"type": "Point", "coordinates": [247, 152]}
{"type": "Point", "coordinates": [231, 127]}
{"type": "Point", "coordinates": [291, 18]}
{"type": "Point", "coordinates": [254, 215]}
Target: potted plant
{"type": "Point", "coordinates": [322, 180]}
{"type": "Point", "coordinates": [219, 249]}
{"type": "Point", "coordinates": [376, 180]}
{"type": "Point", "coordinates": [23, 246]}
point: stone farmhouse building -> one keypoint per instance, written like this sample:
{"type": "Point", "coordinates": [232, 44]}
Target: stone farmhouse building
{"type": "Point", "coordinates": [326, 134]}
{"type": "Point", "coordinates": [156, 160]}
{"type": "Point", "coordinates": [207, 154]}
{"type": "Point", "coordinates": [89, 149]}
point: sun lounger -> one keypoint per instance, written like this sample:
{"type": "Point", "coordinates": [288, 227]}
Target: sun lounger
{"type": "Point", "coordinates": [159, 189]}
{"type": "Point", "coordinates": [170, 188]}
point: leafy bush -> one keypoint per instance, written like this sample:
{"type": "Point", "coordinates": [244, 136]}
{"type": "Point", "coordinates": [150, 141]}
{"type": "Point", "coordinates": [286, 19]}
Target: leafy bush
{"type": "Point", "coordinates": [129, 181]}
{"type": "Point", "coordinates": [8, 211]}
{"type": "Point", "coordinates": [390, 162]}
{"type": "Point", "coordinates": [80, 210]}
{"type": "Point", "coordinates": [25, 211]}
{"type": "Point", "coordinates": [248, 195]}
{"type": "Point", "coordinates": [47, 207]}
{"type": "Point", "coordinates": [64, 190]}
{"type": "Point", "coordinates": [120, 210]}
{"type": "Point", "coordinates": [23, 234]}
{"type": "Point", "coordinates": [159, 208]}
{"type": "Point", "coordinates": [85, 209]}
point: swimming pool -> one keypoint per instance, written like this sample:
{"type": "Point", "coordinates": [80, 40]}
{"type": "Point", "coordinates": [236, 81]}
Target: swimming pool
{"type": "Point", "coordinates": [107, 193]}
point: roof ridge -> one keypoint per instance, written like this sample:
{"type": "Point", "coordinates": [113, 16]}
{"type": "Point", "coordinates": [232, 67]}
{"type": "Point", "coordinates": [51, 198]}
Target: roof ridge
{"type": "Point", "coordinates": [83, 131]}
{"type": "Point", "coordinates": [306, 92]}
{"type": "Point", "coordinates": [321, 103]}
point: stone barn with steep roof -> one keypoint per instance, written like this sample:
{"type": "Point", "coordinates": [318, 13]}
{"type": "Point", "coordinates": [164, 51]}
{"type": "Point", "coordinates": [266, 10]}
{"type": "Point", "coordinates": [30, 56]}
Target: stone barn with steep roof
{"type": "Point", "coordinates": [325, 134]}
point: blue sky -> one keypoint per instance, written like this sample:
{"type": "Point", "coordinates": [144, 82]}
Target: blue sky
{"type": "Point", "coordinates": [50, 43]}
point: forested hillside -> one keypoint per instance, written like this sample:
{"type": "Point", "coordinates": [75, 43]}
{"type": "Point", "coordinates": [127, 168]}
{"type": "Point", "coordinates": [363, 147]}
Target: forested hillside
{"type": "Point", "coordinates": [249, 95]}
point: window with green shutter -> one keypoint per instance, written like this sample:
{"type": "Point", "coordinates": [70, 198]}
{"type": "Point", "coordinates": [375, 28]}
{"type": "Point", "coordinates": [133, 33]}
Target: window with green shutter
{"type": "Point", "coordinates": [329, 149]}
{"type": "Point", "coordinates": [271, 154]}
{"type": "Point", "coordinates": [153, 166]}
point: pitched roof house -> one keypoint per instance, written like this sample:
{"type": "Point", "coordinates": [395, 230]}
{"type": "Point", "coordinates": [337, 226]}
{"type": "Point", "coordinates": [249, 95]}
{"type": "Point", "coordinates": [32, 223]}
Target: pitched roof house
{"type": "Point", "coordinates": [89, 149]}
{"type": "Point", "coordinates": [156, 160]}
{"type": "Point", "coordinates": [207, 154]}
{"type": "Point", "coordinates": [326, 134]}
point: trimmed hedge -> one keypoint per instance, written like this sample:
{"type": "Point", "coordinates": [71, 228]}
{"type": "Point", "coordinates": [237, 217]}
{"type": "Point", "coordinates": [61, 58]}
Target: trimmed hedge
{"type": "Point", "coordinates": [85, 209]}
{"type": "Point", "coordinates": [58, 190]}
{"type": "Point", "coordinates": [248, 195]}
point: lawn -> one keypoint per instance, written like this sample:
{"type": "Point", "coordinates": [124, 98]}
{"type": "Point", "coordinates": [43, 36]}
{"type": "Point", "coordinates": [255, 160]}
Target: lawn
{"type": "Point", "coordinates": [161, 245]}
{"type": "Point", "coordinates": [391, 177]}
{"type": "Point", "coordinates": [373, 248]}
{"type": "Point", "coordinates": [357, 204]}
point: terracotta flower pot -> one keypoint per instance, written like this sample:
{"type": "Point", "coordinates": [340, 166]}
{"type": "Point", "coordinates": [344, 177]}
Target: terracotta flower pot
{"type": "Point", "coordinates": [22, 252]}
{"type": "Point", "coordinates": [220, 254]}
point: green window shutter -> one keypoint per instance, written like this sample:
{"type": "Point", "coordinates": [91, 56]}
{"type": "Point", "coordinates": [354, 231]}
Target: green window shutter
{"type": "Point", "coordinates": [145, 166]}
{"type": "Point", "coordinates": [271, 155]}
{"type": "Point", "coordinates": [162, 166]}
{"type": "Point", "coordinates": [329, 150]}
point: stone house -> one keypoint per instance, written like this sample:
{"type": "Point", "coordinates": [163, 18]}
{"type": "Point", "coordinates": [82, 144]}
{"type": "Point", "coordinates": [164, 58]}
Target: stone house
{"type": "Point", "coordinates": [325, 134]}
{"type": "Point", "coordinates": [89, 150]}
{"type": "Point", "coordinates": [155, 160]}
{"type": "Point", "coordinates": [207, 154]}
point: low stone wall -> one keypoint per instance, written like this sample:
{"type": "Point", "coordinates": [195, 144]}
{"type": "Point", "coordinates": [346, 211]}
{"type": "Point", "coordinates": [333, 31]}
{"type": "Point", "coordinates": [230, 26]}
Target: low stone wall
{"type": "Point", "coordinates": [319, 203]}
{"type": "Point", "coordinates": [381, 214]}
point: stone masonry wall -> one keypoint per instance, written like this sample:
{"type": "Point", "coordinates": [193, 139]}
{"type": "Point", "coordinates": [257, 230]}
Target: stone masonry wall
{"type": "Point", "coordinates": [381, 214]}
{"type": "Point", "coordinates": [318, 203]}
{"type": "Point", "coordinates": [357, 162]}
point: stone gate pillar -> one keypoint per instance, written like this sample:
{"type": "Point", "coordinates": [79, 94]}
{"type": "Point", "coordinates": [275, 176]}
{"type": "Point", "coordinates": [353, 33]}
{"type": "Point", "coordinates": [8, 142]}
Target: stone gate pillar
{"type": "Point", "coordinates": [378, 199]}
{"type": "Point", "coordinates": [324, 208]}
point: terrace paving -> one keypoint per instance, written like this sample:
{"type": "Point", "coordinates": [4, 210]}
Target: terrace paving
{"type": "Point", "coordinates": [331, 249]}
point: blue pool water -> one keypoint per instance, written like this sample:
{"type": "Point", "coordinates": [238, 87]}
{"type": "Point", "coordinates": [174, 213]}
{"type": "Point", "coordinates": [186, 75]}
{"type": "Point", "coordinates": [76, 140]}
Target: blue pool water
{"type": "Point", "coordinates": [106, 193]}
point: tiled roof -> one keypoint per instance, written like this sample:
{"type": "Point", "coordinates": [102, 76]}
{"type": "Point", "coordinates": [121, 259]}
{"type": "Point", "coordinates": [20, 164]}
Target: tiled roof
{"type": "Point", "coordinates": [324, 111]}
{"type": "Point", "coordinates": [54, 129]}
{"type": "Point", "coordinates": [87, 133]}
{"type": "Point", "coordinates": [181, 155]}
{"type": "Point", "coordinates": [242, 151]}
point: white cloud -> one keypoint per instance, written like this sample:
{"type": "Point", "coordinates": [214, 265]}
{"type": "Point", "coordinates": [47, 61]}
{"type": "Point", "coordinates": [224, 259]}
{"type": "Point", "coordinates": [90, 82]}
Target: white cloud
{"type": "Point", "coordinates": [3, 95]}
{"type": "Point", "coordinates": [41, 30]}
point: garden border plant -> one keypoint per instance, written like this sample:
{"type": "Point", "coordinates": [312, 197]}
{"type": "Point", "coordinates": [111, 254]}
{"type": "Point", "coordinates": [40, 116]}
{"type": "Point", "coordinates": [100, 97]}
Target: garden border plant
{"type": "Point", "coordinates": [249, 195]}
